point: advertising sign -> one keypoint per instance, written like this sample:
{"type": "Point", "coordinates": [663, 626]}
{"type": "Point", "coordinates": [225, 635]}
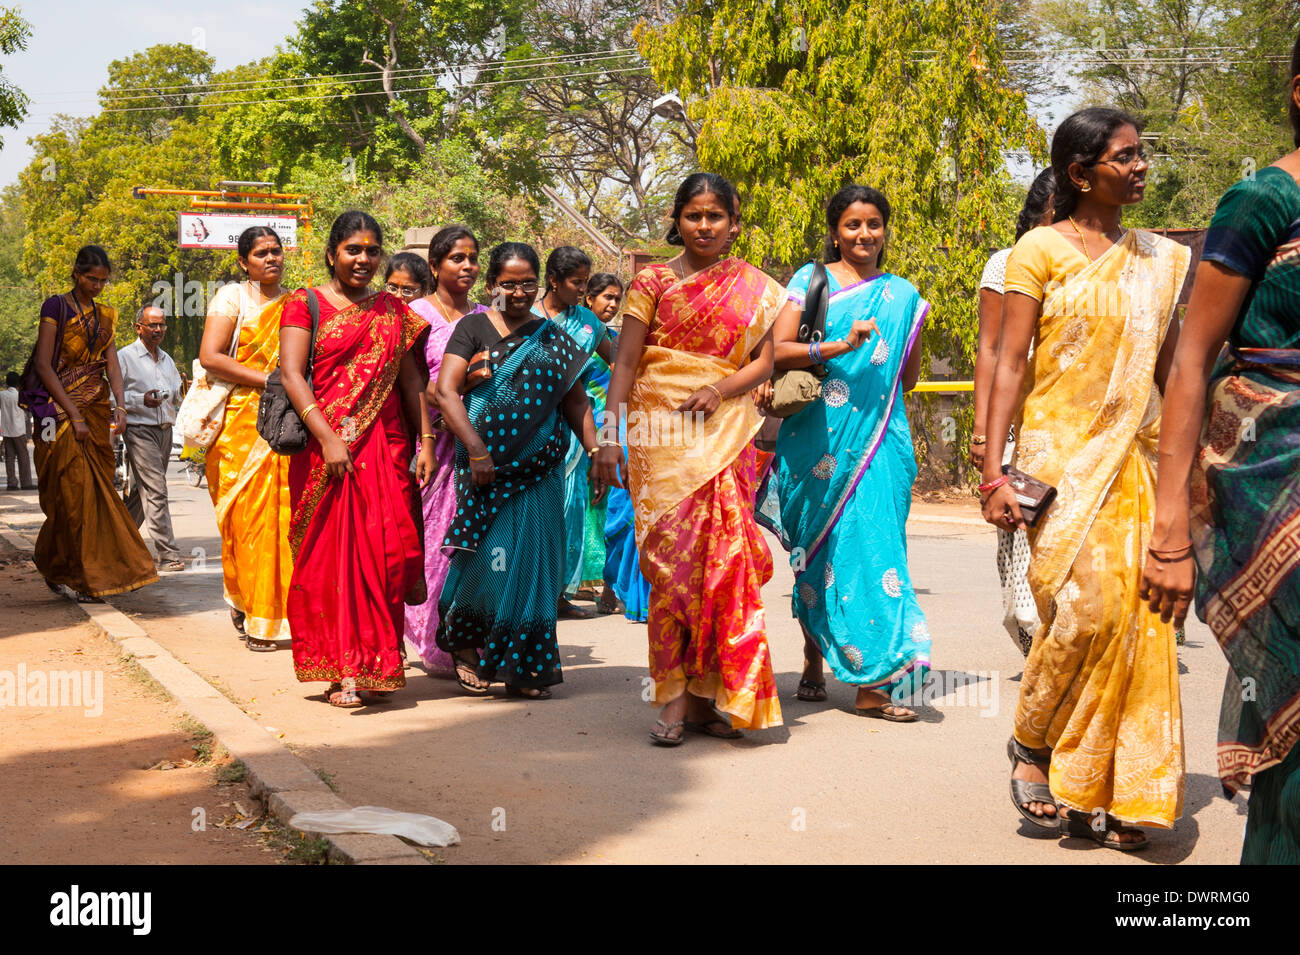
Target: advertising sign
{"type": "Point", "coordinates": [203, 230]}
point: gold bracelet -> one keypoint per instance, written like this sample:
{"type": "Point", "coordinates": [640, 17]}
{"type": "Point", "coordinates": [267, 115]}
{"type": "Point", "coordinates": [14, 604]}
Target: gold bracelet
{"type": "Point", "coordinates": [431, 437]}
{"type": "Point", "coordinates": [308, 410]}
{"type": "Point", "coordinates": [715, 391]}
{"type": "Point", "coordinates": [591, 451]}
{"type": "Point", "coordinates": [979, 439]}
{"type": "Point", "coordinates": [609, 443]}
{"type": "Point", "coordinates": [482, 457]}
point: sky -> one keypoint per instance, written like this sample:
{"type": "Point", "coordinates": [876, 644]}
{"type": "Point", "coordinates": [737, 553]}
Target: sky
{"type": "Point", "coordinates": [73, 41]}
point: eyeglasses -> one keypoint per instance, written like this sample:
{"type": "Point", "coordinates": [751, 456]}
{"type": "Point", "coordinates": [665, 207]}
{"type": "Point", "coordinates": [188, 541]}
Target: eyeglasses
{"type": "Point", "coordinates": [528, 288]}
{"type": "Point", "coordinates": [405, 291]}
{"type": "Point", "coordinates": [1125, 160]}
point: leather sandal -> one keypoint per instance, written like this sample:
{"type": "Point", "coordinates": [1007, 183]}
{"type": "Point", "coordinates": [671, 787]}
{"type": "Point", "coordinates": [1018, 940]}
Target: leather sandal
{"type": "Point", "coordinates": [810, 691]}
{"type": "Point", "coordinates": [662, 737]}
{"type": "Point", "coordinates": [1080, 826]}
{"type": "Point", "coordinates": [259, 645]}
{"type": "Point", "coordinates": [1023, 791]}
{"type": "Point", "coordinates": [342, 696]}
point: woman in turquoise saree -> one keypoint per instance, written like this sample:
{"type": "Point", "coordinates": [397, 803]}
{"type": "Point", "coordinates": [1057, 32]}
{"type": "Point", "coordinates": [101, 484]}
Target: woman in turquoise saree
{"type": "Point", "coordinates": [842, 475]}
{"type": "Point", "coordinates": [567, 271]}
{"type": "Point", "coordinates": [513, 427]}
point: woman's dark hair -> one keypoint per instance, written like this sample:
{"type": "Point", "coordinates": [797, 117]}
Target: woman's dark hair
{"type": "Point", "coordinates": [506, 251]}
{"type": "Point", "coordinates": [440, 246]}
{"type": "Point", "coordinates": [414, 266]}
{"type": "Point", "coordinates": [1037, 202]}
{"type": "Point", "coordinates": [1292, 110]}
{"type": "Point", "coordinates": [601, 281]}
{"type": "Point", "coordinates": [248, 238]}
{"type": "Point", "coordinates": [349, 223]}
{"type": "Point", "coordinates": [1082, 138]}
{"type": "Point", "coordinates": [839, 204]}
{"type": "Point", "coordinates": [89, 257]}
{"type": "Point", "coordinates": [697, 184]}
{"type": "Point", "coordinates": [563, 261]}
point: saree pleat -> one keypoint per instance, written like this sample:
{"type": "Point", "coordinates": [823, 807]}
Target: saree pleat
{"type": "Point", "coordinates": [355, 544]}
{"type": "Point", "coordinates": [1100, 683]}
{"type": "Point", "coordinates": [249, 486]}
{"type": "Point", "coordinates": [692, 488]}
{"type": "Point", "coordinates": [88, 541]}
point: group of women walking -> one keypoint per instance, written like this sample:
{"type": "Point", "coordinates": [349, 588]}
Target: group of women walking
{"type": "Point", "coordinates": [469, 470]}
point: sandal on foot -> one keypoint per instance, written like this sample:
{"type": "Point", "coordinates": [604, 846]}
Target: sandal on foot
{"type": "Point", "coordinates": [900, 714]}
{"type": "Point", "coordinates": [1023, 791]}
{"type": "Point", "coordinates": [341, 696]}
{"type": "Point", "coordinates": [1080, 825]}
{"type": "Point", "coordinates": [811, 691]}
{"type": "Point", "coordinates": [662, 737]}
{"type": "Point", "coordinates": [718, 728]}
{"type": "Point", "coordinates": [84, 598]}
{"type": "Point", "coordinates": [237, 618]}
{"type": "Point", "coordinates": [464, 672]}
{"type": "Point", "coordinates": [539, 693]}
{"type": "Point", "coordinates": [570, 611]}
{"type": "Point", "coordinates": [259, 645]}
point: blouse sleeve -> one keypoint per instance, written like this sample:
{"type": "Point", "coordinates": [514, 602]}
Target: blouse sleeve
{"type": "Point", "coordinates": [463, 342]}
{"type": "Point", "coordinates": [295, 313]}
{"type": "Point", "coordinates": [52, 308]}
{"type": "Point", "coordinates": [642, 298]}
{"type": "Point", "coordinates": [995, 271]}
{"type": "Point", "coordinates": [797, 290]}
{"type": "Point", "coordinates": [226, 302]}
{"type": "Point", "coordinates": [1029, 266]}
{"type": "Point", "coordinates": [1250, 222]}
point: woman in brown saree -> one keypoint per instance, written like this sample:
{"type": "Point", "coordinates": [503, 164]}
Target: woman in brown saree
{"type": "Point", "coordinates": [88, 543]}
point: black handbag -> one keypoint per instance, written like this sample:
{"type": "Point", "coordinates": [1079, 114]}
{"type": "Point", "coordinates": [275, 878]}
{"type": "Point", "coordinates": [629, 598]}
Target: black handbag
{"type": "Point", "coordinates": [277, 420]}
{"type": "Point", "coordinates": [794, 389]}
{"type": "Point", "coordinates": [1033, 496]}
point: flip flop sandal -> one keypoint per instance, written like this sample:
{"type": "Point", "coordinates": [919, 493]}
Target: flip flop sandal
{"type": "Point", "coordinates": [811, 692]}
{"type": "Point", "coordinates": [342, 698]}
{"type": "Point", "coordinates": [1079, 825]}
{"type": "Point", "coordinates": [663, 739]}
{"type": "Point", "coordinates": [468, 687]}
{"type": "Point", "coordinates": [1023, 791]}
{"type": "Point", "coordinates": [706, 729]}
{"type": "Point", "coordinates": [542, 694]}
{"type": "Point", "coordinates": [878, 713]}
{"type": "Point", "coordinates": [569, 611]}
{"type": "Point", "coordinates": [258, 645]}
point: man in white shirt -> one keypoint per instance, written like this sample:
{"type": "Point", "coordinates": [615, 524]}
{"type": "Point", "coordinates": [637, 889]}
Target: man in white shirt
{"type": "Point", "coordinates": [13, 428]}
{"type": "Point", "coordinates": [152, 393]}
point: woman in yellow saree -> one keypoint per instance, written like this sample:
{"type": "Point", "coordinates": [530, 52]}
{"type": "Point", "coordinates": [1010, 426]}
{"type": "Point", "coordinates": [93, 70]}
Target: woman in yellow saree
{"type": "Point", "coordinates": [88, 543]}
{"type": "Point", "coordinates": [249, 483]}
{"type": "Point", "coordinates": [1098, 741]}
{"type": "Point", "coordinates": [696, 340]}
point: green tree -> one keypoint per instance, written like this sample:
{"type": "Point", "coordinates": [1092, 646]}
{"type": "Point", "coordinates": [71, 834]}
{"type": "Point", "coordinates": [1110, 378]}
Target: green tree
{"type": "Point", "coordinates": [793, 100]}
{"type": "Point", "coordinates": [19, 302]}
{"type": "Point", "coordinates": [14, 33]}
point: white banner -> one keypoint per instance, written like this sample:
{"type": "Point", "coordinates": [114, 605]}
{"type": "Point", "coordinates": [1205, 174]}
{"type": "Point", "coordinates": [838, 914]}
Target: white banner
{"type": "Point", "coordinates": [202, 230]}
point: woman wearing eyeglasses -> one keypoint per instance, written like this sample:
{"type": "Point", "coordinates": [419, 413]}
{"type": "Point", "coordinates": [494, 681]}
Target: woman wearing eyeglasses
{"type": "Point", "coordinates": [1097, 744]}
{"type": "Point", "coordinates": [445, 282]}
{"type": "Point", "coordinates": [523, 400]}
{"type": "Point", "coordinates": [88, 543]}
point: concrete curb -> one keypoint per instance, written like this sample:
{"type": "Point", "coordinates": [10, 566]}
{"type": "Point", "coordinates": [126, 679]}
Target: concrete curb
{"type": "Point", "coordinates": [275, 775]}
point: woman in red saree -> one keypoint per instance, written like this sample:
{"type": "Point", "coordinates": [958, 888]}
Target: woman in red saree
{"type": "Point", "coordinates": [696, 340]}
{"type": "Point", "coordinates": [356, 546]}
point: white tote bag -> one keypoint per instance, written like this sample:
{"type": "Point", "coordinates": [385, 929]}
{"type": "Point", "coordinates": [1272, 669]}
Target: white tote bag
{"type": "Point", "coordinates": [203, 411]}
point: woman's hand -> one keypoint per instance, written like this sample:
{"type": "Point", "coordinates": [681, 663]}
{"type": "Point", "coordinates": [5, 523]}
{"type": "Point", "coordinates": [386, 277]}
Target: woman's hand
{"type": "Point", "coordinates": [763, 396]}
{"type": "Point", "coordinates": [483, 471]}
{"type": "Point", "coordinates": [977, 454]}
{"type": "Point", "coordinates": [861, 331]}
{"type": "Point", "coordinates": [609, 465]}
{"type": "Point", "coordinates": [118, 419]}
{"type": "Point", "coordinates": [1167, 587]}
{"type": "Point", "coordinates": [598, 487]}
{"type": "Point", "coordinates": [79, 429]}
{"type": "Point", "coordinates": [338, 459]}
{"type": "Point", "coordinates": [703, 399]}
{"type": "Point", "coordinates": [426, 465]}
{"type": "Point", "coordinates": [1001, 510]}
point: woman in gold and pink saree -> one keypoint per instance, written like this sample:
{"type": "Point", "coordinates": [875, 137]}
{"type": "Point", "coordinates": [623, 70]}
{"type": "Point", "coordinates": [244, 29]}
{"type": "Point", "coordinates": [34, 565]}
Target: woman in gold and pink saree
{"type": "Point", "coordinates": [692, 328]}
{"type": "Point", "coordinates": [1099, 707]}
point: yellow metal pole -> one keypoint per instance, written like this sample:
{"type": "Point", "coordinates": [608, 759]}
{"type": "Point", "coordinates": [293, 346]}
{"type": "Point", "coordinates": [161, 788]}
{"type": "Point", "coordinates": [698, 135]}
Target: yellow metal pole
{"type": "Point", "coordinates": [941, 386]}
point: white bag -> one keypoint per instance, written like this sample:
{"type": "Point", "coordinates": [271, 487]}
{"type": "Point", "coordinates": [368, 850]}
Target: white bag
{"type": "Point", "coordinates": [420, 829]}
{"type": "Point", "coordinates": [203, 411]}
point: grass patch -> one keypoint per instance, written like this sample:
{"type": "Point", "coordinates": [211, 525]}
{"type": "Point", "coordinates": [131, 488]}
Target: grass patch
{"type": "Point", "coordinates": [232, 773]}
{"type": "Point", "coordinates": [327, 778]}
{"type": "Point", "coordinates": [206, 749]}
{"type": "Point", "coordinates": [293, 847]}
{"type": "Point", "coordinates": [137, 674]}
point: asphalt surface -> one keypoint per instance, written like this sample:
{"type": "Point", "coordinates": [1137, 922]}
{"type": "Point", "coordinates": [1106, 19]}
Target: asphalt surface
{"type": "Point", "coordinates": [576, 779]}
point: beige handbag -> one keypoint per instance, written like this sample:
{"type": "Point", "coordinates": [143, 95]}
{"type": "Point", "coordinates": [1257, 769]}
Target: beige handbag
{"type": "Point", "coordinates": [203, 411]}
{"type": "Point", "coordinates": [794, 389]}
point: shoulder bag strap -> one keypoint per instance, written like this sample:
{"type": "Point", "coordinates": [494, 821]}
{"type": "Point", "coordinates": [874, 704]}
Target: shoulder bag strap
{"type": "Point", "coordinates": [313, 306]}
{"type": "Point", "coordinates": [812, 322]}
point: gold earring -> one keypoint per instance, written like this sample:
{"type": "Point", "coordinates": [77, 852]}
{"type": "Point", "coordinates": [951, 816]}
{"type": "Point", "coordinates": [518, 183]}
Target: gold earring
{"type": "Point", "coordinates": [1086, 187]}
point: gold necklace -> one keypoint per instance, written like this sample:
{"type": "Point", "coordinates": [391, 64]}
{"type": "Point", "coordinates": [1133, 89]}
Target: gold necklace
{"type": "Point", "coordinates": [1079, 233]}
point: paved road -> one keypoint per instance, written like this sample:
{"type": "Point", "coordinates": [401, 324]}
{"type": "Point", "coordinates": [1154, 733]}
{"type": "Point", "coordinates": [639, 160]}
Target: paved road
{"type": "Point", "coordinates": [575, 779]}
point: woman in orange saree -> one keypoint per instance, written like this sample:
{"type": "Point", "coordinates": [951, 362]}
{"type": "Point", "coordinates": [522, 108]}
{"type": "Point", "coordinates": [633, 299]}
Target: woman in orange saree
{"type": "Point", "coordinates": [88, 543]}
{"type": "Point", "coordinates": [695, 342]}
{"type": "Point", "coordinates": [356, 547]}
{"type": "Point", "coordinates": [249, 483]}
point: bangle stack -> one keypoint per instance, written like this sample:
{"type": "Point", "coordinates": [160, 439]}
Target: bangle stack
{"type": "Point", "coordinates": [815, 352]}
{"type": "Point", "coordinates": [992, 485]}
{"type": "Point", "coordinates": [308, 410]}
{"type": "Point", "coordinates": [1175, 556]}
{"type": "Point", "coordinates": [715, 391]}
